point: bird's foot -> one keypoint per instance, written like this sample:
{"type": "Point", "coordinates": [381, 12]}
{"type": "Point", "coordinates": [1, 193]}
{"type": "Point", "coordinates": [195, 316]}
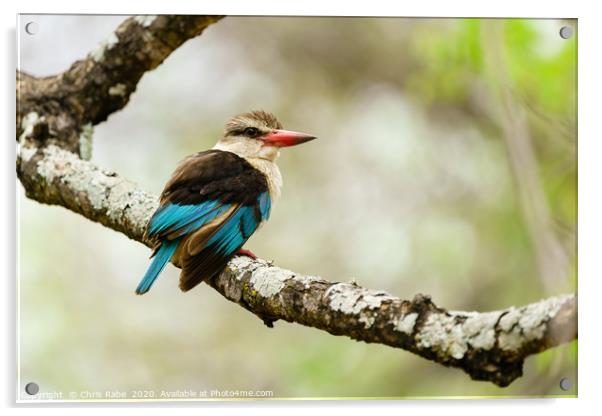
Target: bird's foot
{"type": "Point", "coordinates": [248, 253]}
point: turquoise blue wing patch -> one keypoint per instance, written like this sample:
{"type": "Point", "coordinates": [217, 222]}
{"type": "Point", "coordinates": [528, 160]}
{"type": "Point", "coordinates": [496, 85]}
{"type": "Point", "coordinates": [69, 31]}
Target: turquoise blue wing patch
{"type": "Point", "coordinates": [265, 205]}
{"type": "Point", "coordinates": [237, 229]}
{"type": "Point", "coordinates": [178, 220]}
{"type": "Point", "coordinates": [183, 219]}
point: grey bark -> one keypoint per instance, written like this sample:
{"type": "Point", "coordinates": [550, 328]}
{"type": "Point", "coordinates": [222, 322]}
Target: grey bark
{"type": "Point", "coordinates": [488, 346]}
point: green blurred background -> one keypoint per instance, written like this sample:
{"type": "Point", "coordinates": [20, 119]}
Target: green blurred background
{"type": "Point", "coordinates": [446, 165]}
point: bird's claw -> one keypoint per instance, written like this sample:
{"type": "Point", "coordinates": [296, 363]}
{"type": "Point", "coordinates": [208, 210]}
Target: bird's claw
{"type": "Point", "coordinates": [248, 253]}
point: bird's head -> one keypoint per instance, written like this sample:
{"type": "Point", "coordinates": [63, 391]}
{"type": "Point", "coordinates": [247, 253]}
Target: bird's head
{"type": "Point", "coordinates": [258, 135]}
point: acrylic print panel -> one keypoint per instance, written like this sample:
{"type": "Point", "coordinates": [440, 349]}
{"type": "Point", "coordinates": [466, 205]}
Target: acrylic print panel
{"type": "Point", "coordinates": [433, 219]}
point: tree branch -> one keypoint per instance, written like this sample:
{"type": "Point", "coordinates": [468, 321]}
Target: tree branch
{"type": "Point", "coordinates": [488, 346]}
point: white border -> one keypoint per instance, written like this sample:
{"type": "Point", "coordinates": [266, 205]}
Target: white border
{"type": "Point", "coordinates": [590, 206]}
{"type": "Point", "coordinates": [458, 8]}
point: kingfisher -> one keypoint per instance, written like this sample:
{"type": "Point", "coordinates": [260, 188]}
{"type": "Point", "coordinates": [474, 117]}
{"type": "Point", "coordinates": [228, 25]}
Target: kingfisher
{"type": "Point", "coordinates": [216, 199]}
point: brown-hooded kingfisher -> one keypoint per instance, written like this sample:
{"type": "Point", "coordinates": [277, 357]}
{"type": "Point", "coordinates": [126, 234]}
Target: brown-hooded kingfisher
{"type": "Point", "coordinates": [216, 199]}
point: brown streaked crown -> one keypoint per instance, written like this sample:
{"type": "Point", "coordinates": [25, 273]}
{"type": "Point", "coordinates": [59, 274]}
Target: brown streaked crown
{"type": "Point", "coordinates": [260, 119]}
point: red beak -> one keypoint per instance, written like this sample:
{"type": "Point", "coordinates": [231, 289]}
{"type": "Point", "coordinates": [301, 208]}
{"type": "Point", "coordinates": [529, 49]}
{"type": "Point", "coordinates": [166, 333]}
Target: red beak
{"type": "Point", "coordinates": [285, 138]}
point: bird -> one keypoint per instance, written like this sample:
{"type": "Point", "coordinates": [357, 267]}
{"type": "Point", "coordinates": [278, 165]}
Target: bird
{"type": "Point", "coordinates": [217, 198]}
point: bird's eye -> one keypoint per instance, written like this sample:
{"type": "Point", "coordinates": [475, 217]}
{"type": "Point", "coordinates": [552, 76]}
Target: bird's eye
{"type": "Point", "coordinates": [251, 132]}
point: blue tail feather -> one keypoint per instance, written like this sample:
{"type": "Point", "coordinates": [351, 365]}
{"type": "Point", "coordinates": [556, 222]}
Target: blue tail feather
{"type": "Point", "coordinates": [160, 259]}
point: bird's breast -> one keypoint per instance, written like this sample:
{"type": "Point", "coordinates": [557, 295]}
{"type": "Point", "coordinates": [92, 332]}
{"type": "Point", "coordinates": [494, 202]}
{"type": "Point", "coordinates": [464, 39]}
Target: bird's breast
{"type": "Point", "coordinates": [272, 174]}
